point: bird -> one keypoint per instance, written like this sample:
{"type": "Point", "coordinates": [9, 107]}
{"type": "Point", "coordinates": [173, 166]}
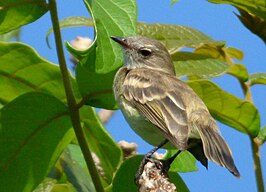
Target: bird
{"type": "Point", "coordinates": [161, 108]}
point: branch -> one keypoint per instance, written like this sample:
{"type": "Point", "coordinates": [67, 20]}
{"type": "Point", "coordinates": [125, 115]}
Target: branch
{"type": "Point", "coordinates": [255, 146]}
{"type": "Point", "coordinates": [71, 101]}
{"type": "Point", "coordinates": [154, 178]}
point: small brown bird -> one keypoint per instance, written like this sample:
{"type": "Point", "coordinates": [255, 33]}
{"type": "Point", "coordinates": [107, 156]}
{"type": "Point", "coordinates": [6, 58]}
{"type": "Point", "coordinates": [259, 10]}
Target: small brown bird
{"type": "Point", "coordinates": [159, 106]}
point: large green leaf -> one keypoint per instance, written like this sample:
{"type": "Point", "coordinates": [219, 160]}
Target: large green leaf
{"type": "Point", "coordinates": [175, 37]}
{"type": "Point", "coordinates": [124, 178]}
{"type": "Point", "coordinates": [257, 78]}
{"type": "Point", "coordinates": [228, 109]}
{"type": "Point", "coordinates": [97, 88]}
{"type": "Point", "coordinates": [184, 162]}
{"type": "Point", "coordinates": [257, 7]}
{"type": "Point", "coordinates": [23, 70]}
{"type": "Point", "coordinates": [34, 129]}
{"type": "Point", "coordinates": [16, 13]}
{"type": "Point", "coordinates": [200, 65]}
{"type": "Point", "coordinates": [95, 71]}
{"type": "Point", "coordinates": [110, 18]}
{"type": "Point", "coordinates": [101, 143]}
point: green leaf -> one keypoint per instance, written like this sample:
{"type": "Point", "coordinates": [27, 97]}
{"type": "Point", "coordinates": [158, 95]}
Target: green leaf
{"type": "Point", "coordinates": [194, 64]}
{"type": "Point", "coordinates": [228, 109]}
{"type": "Point", "coordinates": [101, 143]}
{"type": "Point", "coordinates": [257, 78]}
{"type": "Point", "coordinates": [97, 66]}
{"type": "Point", "coordinates": [23, 70]}
{"type": "Point", "coordinates": [125, 176]}
{"type": "Point", "coordinates": [178, 181]}
{"type": "Point", "coordinates": [257, 7]}
{"type": "Point", "coordinates": [76, 174]}
{"type": "Point", "coordinates": [34, 130]}
{"type": "Point", "coordinates": [97, 88]}
{"type": "Point", "coordinates": [255, 24]}
{"type": "Point", "coordinates": [110, 18]}
{"type": "Point", "coordinates": [184, 162]}
{"type": "Point", "coordinates": [175, 37]}
{"type": "Point", "coordinates": [262, 134]}
{"type": "Point", "coordinates": [16, 13]}
{"type": "Point", "coordinates": [234, 53]}
{"type": "Point", "coordinates": [239, 71]}
{"type": "Point", "coordinates": [219, 51]}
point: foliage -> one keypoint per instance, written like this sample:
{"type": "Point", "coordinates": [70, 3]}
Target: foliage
{"type": "Point", "coordinates": [38, 105]}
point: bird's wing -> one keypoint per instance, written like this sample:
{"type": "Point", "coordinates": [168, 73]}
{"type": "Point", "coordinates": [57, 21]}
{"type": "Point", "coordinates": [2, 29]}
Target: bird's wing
{"type": "Point", "coordinates": [159, 98]}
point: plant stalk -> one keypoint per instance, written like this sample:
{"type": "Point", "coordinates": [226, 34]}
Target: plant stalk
{"type": "Point", "coordinates": [255, 146]}
{"type": "Point", "coordinates": [257, 164]}
{"type": "Point", "coordinates": [71, 101]}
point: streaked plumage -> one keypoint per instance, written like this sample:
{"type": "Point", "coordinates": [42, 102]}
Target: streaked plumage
{"type": "Point", "coordinates": [158, 105]}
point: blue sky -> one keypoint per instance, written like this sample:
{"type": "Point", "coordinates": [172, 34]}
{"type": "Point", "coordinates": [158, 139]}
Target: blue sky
{"type": "Point", "coordinates": [217, 21]}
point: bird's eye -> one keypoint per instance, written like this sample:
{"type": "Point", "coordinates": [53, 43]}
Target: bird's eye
{"type": "Point", "coordinates": [145, 52]}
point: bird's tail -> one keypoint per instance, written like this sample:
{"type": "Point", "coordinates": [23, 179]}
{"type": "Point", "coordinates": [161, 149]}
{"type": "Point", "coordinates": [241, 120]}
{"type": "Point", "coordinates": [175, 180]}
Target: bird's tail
{"type": "Point", "coordinates": [216, 149]}
{"type": "Point", "coordinates": [214, 146]}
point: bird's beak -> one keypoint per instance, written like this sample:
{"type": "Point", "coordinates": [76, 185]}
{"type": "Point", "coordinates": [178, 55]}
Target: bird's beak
{"type": "Point", "coordinates": [120, 40]}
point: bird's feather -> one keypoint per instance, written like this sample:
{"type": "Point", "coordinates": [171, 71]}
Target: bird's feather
{"type": "Point", "coordinates": [160, 102]}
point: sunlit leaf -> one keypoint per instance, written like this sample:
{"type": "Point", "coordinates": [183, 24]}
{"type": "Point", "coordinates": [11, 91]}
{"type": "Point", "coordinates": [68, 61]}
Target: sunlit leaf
{"type": "Point", "coordinates": [257, 7]}
{"type": "Point", "coordinates": [227, 108]}
{"type": "Point", "coordinates": [184, 162]}
{"type": "Point", "coordinates": [23, 70]}
{"type": "Point", "coordinates": [257, 78]}
{"type": "Point", "coordinates": [16, 13]}
{"type": "Point", "coordinates": [175, 37]}
{"type": "Point", "coordinates": [234, 53]}
{"type": "Point", "coordinates": [219, 51]}
{"type": "Point", "coordinates": [239, 71]}
{"type": "Point", "coordinates": [109, 19]}
{"type": "Point", "coordinates": [200, 65]}
{"type": "Point", "coordinates": [35, 129]}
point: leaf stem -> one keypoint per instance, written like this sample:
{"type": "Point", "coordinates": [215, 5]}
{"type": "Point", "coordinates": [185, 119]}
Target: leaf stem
{"type": "Point", "coordinates": [255, 145]}
{"type": "Point", "coordinates": [257, 164]}
{"type": "Point", "coordinates": [71, 101]}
